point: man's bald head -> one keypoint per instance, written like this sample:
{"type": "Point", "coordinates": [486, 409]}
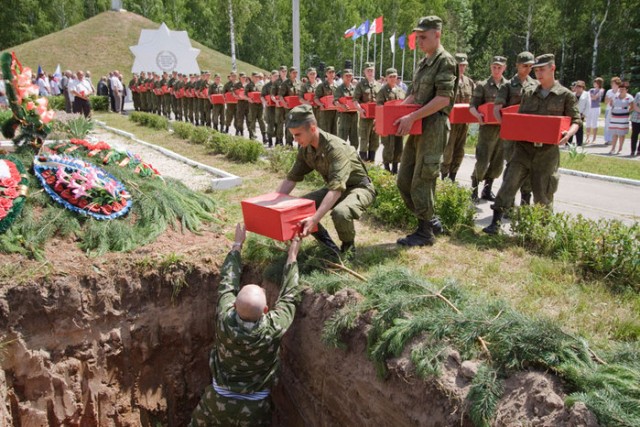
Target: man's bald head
{"type": "Point", "coordinates": [251, 303]}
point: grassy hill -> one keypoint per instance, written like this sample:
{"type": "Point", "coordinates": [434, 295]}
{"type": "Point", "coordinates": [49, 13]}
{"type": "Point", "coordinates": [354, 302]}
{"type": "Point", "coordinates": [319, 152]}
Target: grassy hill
{"type": "Point", "coordinates": [101, 44]}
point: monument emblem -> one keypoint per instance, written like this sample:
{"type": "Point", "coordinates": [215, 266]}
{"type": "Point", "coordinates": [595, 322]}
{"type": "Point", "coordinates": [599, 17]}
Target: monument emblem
{"type": "Point", "coordinates": [165, 50]}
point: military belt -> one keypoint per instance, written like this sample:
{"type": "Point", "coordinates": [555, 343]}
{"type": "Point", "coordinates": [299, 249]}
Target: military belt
{"type": "Point", "coordinates": [225, 392]}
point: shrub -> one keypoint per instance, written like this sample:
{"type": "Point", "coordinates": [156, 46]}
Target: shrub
{"type": "Point", "coordinates": [56, 102]}
{"type": "Point", "coordinates": [200, 135]}
{"type": "Point", "coordinates": [98, 103]}
{"type": "Point", "coordinates": [220, 143]}
{"type": "Point", "coordinates": [183, 130]}
{"type": "Point", "coordinates": [78, 127]}
{"type": "Point", "coordinates": [150, 120]}
{"type": "Point", "coordinates": [244, 150]}
{"type": "Point", "coordinates": [454, 207]}
{"type": "Point", "coordinates": [606, 248]}
{"type": "Point", "coordinates": [281, 159]}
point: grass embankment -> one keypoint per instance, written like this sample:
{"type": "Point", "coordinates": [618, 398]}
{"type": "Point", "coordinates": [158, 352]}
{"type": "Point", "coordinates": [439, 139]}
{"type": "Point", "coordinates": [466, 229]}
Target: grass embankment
{"type": "Point", "coordinates": [101, 44]}
{"type": "Point", "coordinates": [513, 296]}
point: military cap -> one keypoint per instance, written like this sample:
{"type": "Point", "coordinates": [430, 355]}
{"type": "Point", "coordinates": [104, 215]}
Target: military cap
{"type": "Point", "coordinates": [330, 68]}
{"type": "Point", "coordinates": [291, 69]}
{"type": "Point", "coordinates": [427, 23]}
{"type": "Point", "coordinates": [205, 72]}
{"type": "Point", "coordinates": [499, 60]}
{"type": "Point", "coordinates": [259, 74]}
{"type": "Point", "coordinates": [274, 71]}
{"type": "Point", "coordinates": [368, 65]}
{"type": "Point", "coordinates": [546, 59]}
{"type": "Point", "coordinates": [347, 71]}
{"type": "Point", "coordinates": [283, 68]}
{"type": "Point", "coordinates": [525, 58]}
{"type": "Point", "coordinates": [311, 70]}
{"type": "Point", "coordinates": [242, 74]}
{"type": "Point", "coordinates": [254, 73]}
{"type": "Point", "coordinates": [390, 72]}
{"type": "Point", "coordinates": [299, 116]}
{"type": "Point", "coordinates": [461, 58]}
{"type": "Point", "coordinates": [216, 75]}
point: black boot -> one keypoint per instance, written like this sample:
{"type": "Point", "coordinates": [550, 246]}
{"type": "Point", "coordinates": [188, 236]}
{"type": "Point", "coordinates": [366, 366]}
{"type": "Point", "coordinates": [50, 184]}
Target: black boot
{"type": "Point", "coordinates": [386, 167]}
{"type": "Point", "coordinates": [486, 191]}
{"type": "Point", "coordinates": [372, 156]}
{"type": "Point", "coordinates": [525, 198]}
{"type": "Point", "coordinates": [494, 227]}
{"type": "Point", "coordinates": [436, 226]}
{"type": "Point", "coordinates": [322, 236]}
{"type": "Point", "coordinates": [474, 190]}
{"type": "Point", "coordinates": [270, 141]}
{"type": "Point", "coordinates": [394, 168]}
{"type": "Point", "coordinates": [452, 176]}
{"type": "Point", "coordinates": [363, 155]}
{"type": "Point", "coordinates": [443, 176]}
{"type": "Point", "coordinates": [423, 236]}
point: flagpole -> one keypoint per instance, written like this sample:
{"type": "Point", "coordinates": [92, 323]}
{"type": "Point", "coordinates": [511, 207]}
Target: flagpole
{"type": "Point", "coordinates": [361, 53]}
{"type": "Point", "coordinates": [414, 58]}
{"type": "Point", "coordinates": [402, 72]}
{"type": "Point", "coordinates": [375, 51]}
{"type": "Point", "coordinates": [368, 40]}
{"type": "Point", "coordinates": [393, 52]}
{"type": "Point", "coordinates": [381, 52]}
{"type": "Point", "coordinates": [354, 53]}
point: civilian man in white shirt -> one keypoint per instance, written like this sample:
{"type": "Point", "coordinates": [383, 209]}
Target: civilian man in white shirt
{"type": "Point", "coordinates": [80, 90]}
{"type": "Point", "coordinates": [117, 88]}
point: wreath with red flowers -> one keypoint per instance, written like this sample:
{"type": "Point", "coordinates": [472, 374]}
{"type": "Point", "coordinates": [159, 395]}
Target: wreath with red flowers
{"type": "Point", "coordinates": [13, 190]}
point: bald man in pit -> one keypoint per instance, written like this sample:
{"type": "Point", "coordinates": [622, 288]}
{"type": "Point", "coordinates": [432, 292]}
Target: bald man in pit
{"type": "Point", "coordinates": [245, 359]}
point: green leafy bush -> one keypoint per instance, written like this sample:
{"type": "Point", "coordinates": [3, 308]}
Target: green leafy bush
{"type": "Point", "coordinates": [200, 135]}
{"type": "Point", "coordinates": [220, 143]}
{"type": "Point", "coordinates": [183, 130]}
{"type": "Point", "coordinates": [98, 103]}
{"type": "Point", "coordinates": [244, 150]}
{"type": "Point", "coordinates": [389, 208]}
{"type": "Point", "coordinates": [56, 102]}
{"type": "Point", "coordinates": [149, 120]}
{"type": "Point", "coordinates": [606, 248]}
{"type": "Point", "coordinates": [280, 160]}
{"type": "Point", "coordinates": [454, 207]}
{"type": "Point", "coordinates": [78, 127]}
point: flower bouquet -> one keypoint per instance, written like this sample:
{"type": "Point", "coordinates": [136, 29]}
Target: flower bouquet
{"type": "Point", "coordinates": [106, 154]}
{"type": "Point", "coordinates": [31, 113]}
{"type": "Point", "coordinates": [13, 190]}
{"type": "Point", "coordinates": [82, 187]}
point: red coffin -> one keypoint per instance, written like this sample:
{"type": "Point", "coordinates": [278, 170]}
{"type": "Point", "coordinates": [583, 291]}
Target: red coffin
{"type": "Point", "coordinates": [254, 97]}
{"type": "Point", "coordinates": [487, 113]}
{"type": "Point", "coordinates": [308, 96]}
{"type": "Point", "coordinates": [276, 215]}
{"type": "Point", "coordinates": [239, 93]}
{"type": "Point", "coordinates": [369, 110]}
{"type": "Point", "coordinates": [230, 99]}
{"type": "Point", "coordinates": [216, 99]}
{"type": "Point", "coordinates": [327, 102]}
{"type": "Point", "coordinates": [270, 101]}
{"type": "Point", "coordinates": [386, 115]}
{"type": "Point", "coordinates": [460, 114]}
{"type": "Point", "coordinates": [348, 101]}
{"type": "Point", "coordinates": [534, 128]}
{"type": "Point", "coordinates": [291, 101]}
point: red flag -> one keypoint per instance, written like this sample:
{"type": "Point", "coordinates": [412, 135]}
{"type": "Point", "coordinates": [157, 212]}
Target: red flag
{"type": "Point", "coordinates": [378, 24]}
{"type": "Point", "coordinates": [412, 41]}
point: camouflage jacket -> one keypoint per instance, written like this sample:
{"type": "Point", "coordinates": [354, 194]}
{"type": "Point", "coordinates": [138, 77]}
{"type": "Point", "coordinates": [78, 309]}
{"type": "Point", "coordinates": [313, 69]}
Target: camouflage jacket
{"type": "Point", "coordinates": [366, 91]}
{"type": "Point", "coordinates": [325, 89]}
{"type": "Point", "coordinates": [436, 76]}
{"type": "Point", "coordinates": [266, 89]}
{"type": "Point", "coordinates": [465, 90]}
{"type": "Point", "coordinates": [387, 93]}
{"type": "Point", "coordinates": [559, 102]}
{"type": "Point", "coordinates": [228, 87]}
{"type": "Point", "coordinates": [275, 87]}
{"type": "Point", "coordinates": [511, 92]}
{"type": "Point", "coordinates": [289, 88]}
{"type": "Point", "coordinates": [336, 161]}
{"type": "Point", "coordinates": [245, 358]}
{"type": "Point", "coordinates": [308, 87]}
{"type": "Point", "coordinates": [215, 89]}
{"type": "Point", "coordinates": [486, 91]}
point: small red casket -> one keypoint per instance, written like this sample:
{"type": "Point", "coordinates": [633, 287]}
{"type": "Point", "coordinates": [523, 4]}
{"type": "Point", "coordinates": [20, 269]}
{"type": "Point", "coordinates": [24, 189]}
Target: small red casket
{"type": "Point", "coordinates": [230, 99]}
{"type": "Point", "coordinates": [387, 114]}
{"type": "Point", "coordinates": [369, 110]}
{"type": "Point", "coordinates": [308, 96]}
{"type": "Point", "coordinates": [291, 101]}
{"type": "Point", "coordinates": [534, 128]}
{"type": "Point", "coordinates": [487, 112]}
{"type": "Point", "coordinates": [460, 114]}
{"type": "Point", "coordinates": [254, 97]}
{"type": "Point", "coordinates": [276, 215]}
{"type": "Point", "coordinates": [217, 99]}
{"type": "Point", "coordinates": [348, 101]}
{"type": "Point", "coordinates": [327, 101]}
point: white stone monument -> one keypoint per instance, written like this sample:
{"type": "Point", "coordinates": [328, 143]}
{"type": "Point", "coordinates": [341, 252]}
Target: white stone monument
{"type": "Point", "coordinates": [165, 50]}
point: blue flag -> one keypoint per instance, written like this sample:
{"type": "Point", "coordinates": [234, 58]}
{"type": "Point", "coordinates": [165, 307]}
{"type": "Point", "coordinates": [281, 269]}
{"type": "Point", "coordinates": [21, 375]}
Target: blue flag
{"type": "Point", "coordinates": [39, 70]}
{"type": "Point", "coordinates": [402, 41]}
{"type": "Point", "coordinates": [362, 30]}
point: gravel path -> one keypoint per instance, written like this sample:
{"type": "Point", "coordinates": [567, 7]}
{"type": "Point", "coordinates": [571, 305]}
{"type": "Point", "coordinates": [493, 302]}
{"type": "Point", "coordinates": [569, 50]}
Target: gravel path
{"type": "Point", "coordinates": [194, 178]}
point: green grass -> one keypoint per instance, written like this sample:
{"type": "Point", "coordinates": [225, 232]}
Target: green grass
{"type": "Point", "coordinates": [101, 44]}
{"type": "Point", "coordinates": [601, 165]}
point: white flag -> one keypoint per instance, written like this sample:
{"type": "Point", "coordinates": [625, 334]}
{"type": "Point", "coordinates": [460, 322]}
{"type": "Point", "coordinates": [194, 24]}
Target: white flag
{"type": "Point", "coordinates": [392, 39]}
{"type": "Point", "coordinates": [58, 73]}
{"type": "Point", "coordinates": [372, 29]}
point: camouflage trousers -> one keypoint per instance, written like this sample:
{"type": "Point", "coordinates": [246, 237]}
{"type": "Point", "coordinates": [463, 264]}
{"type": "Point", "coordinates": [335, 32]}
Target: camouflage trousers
{"type": "Point", "coordinates": [328, 121]}
{"type": "Point", "coordinates": [218, 114]}
{"type": "Point", "coordinates": [454, 150]}
{"type": "Point", "coordinates": [351, 205]}
{"type": "Point", "coordinates": [508, 153]}
{"type": "Point", "coordinates": [489, 153]}
{"type": "Point", "coordinates": [230, 114]}
{"type": "Point", "coordinates": [242, 113]}
{"type": "Point", "coordinates": [369, 139]}
{"type": "Point", "coordinates": [540, 164]}
{"type": "Point", "coordinates": [392, 149]}
{"type": "Point", "coordinates": [348, 128]}
{"type": "Point", "coordinates": [216, 410]}
{"type": "Point", "coordinates": [270, 117]}
{"type": "Point", "coordinates": [280, 122]}
{"type": "Point", "coordinates": [420, 166]}
{"type": "Point", "coordinates": [255, 115]}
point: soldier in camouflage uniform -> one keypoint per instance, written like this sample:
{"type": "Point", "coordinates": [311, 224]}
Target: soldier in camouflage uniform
{"type": "Point", "coordinates": [141, 91]}
{"type": "Point", "coordinates": [230, 112]}
{"type": "Point", "coordinates": [328, 120]}
{"type": "Point", "coordinates": [157, 99]}
{"type": "Point", "coordinates": [347, 121]}
{"type": "Point", "coordinates": [392, 144]}
{"type": "Point", "coordinates": [245, 360]}
{"type": "Point", "coordinates": [454, 151]}
{"type": "Point", "coordinates": [270, 110]}
{"type": "Point", "coordinates": [348, 190]}
{"type": "Point", "coordinates": [180, 87]}
{"type": "Point", "coordinates": [242, 108]}
{"type": "Point", "coordinates": [433, 87]}
{"type": "Point", "coordinates": [166, 97]}
{"type": "Point", "coordinates": [538, 161]}
{"type": "Point", "coordinates": [205, 104]}
{"type": "Point", "coordinates": [279, 111]}
{"type": "Point", "coordinates": [172, 99]}
{"type": "Point", "coordinates": [490, 149]}
{"type": "Point", "coordinates": [511, 94]}
{"type": "Point", "coordinates": [310, 86]}
{"type": "Point", "coordinates": [255, 109]}
{"type": "Point", "coordinates": [133, 87]}
{"type": "Point", "coordinates": [366, 91]}
{"type": "Point", "coordinates": [290, 87]}
{"type": "Point", "coordinates": [217, 109]}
